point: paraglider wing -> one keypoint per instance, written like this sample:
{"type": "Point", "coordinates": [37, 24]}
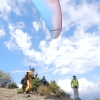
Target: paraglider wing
{"type": "Point", "coordinates": [50, 11]}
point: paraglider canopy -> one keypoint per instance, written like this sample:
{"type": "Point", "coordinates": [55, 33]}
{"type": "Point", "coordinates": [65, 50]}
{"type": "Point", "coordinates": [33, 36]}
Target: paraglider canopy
{"type": "Point", "coordinates": [50, 11]}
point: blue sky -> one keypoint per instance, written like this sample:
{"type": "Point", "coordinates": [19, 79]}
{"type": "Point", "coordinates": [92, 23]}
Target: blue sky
{"type": "Point", "coordinates": [25, 40]}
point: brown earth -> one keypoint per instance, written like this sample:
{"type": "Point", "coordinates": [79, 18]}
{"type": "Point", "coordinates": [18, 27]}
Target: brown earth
{"type": "Point", "coordinates": [8, 94]}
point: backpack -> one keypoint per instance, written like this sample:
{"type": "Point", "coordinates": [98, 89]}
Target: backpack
{"type": "Point", "coordinates": [24, 80]}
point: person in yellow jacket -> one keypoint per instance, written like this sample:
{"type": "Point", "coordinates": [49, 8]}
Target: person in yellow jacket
{"type": "Point", "coordinates": [30, 76]}
{"type": "Point", "coordinates": [75, 86]}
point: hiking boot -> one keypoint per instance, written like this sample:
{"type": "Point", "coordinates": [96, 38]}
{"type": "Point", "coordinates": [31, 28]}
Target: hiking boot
{"type": "Point", "coordinates": [75, 98]}
{"type": "Point", "coordinates": [79, 99]}
{"type": "Point", "coordinates": [28, 95]}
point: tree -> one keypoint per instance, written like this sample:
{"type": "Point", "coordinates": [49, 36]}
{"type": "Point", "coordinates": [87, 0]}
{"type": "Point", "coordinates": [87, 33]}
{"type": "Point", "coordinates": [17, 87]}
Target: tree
{"type": "Point", "coordinates": [12, 85]}
{"type": "Point", "coordinates": [5, 79]}
{"type": "Point", "coordinates": [54, 87]}
{"type": "Point", "coordinates": [35, 83]}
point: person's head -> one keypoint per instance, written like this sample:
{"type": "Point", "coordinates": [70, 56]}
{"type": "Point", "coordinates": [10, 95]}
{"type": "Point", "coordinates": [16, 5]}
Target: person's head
{"type": "Point", "coordinates": [74, 77]}
{"type": "Point", "coordinates": [43, 76]}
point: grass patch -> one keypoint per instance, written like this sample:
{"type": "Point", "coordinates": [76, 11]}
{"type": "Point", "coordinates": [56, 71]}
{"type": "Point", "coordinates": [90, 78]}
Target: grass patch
{"type": "Point", "coordinates": [20, 91]}
{"type": "Point", "coordinates": [43, 90]}
{"type": "Point", "coordinates": [97, 99]}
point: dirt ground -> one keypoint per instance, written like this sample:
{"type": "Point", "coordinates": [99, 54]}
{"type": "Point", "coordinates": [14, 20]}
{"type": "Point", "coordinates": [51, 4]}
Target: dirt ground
{"type": "Point", "coordinates": [8, 94]}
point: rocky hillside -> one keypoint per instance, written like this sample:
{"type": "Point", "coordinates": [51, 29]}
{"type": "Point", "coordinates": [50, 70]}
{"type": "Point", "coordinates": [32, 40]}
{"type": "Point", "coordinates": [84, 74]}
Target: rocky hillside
{"type": "Point", "coordinates": [8, 94]}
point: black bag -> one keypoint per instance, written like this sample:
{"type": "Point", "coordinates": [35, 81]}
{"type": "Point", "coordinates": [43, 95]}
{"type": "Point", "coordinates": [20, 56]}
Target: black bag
{"type": "Point", "coordinates": [24, 80]}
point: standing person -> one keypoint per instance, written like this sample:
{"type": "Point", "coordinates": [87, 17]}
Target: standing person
{"type": "Point", "coordinates": [30, 76]}
{"type": "Point", "coordinates": [75, 86]}
{"type": "Point", "coordinates": [43, 81]}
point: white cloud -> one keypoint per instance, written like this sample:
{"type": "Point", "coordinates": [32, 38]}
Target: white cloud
{"type": "Point", "coordinates": [19, 71]}
{"type": "Point", "coordinates": [96, 77]}
{"type": "Point", "coordinates": [40, 25]}
{"type": "Point", "coordinates": [19, 86]}
{"type": "Point", "coordinates": [65, 84]}
{"type": "Point", "coordinates": [7, 6]}
{"type": "Point", "coordinates": [31, 63]}
{"type": "Point", "coordinates": [10, 45]}
{"type": "Point", "coordinates": [19, 39]}
{"type": "Point", "coordinates": [63, 70]}
{"type": "Point", "coordinates": [84, 15]}
{"type": "Point", "coordinates": [2, 32]}
{"type": "Point", "coordinates": [80, 51]}
{"type": "Point", "coordinates": [36, 26]}
{"type": "Point", "coordinates": [45, 69]}
{"type": "Point", "coordinates": [22, 41]}
{"type": "Point", "coordinates": [18, 25]}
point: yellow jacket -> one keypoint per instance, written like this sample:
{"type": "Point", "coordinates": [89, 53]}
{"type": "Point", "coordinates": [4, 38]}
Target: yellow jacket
{"type": "Point", "coordinates": [74, 82]}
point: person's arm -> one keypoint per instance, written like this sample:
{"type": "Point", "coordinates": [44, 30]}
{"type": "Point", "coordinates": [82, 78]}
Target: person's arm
{"type": "Point", "coordinates": [71, 83]}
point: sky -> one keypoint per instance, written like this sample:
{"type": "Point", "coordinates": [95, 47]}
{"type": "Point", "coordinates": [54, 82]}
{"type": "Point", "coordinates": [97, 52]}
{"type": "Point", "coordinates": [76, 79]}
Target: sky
{"type": "Point", "coordinates": [26, 41]}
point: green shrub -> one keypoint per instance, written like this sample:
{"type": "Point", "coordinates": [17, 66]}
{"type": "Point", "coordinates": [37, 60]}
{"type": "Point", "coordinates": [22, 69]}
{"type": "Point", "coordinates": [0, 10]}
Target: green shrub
{"type": "Point", "coordinates": [35, 84]}
{"type": "Point", "coordinates": [54, 88]}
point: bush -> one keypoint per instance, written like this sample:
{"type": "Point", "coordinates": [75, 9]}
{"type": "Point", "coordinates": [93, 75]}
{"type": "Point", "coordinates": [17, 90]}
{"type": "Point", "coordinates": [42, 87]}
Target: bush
{"type": "Point", "coordinates": [12, 85]}
{"type": "Point", "coordinates": [35, 84]}
{"type": "Point", "coordinates": [43, 90]}
{"type": "Point", "coordinates": [47, 83]}
{"type": "Point", "coordinates": [54, 88]}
